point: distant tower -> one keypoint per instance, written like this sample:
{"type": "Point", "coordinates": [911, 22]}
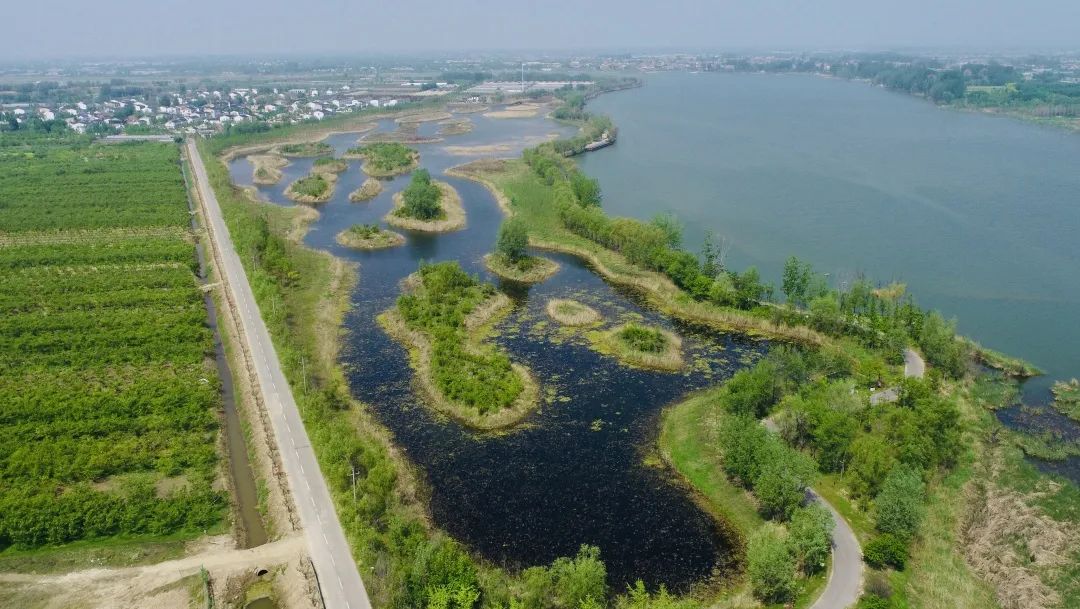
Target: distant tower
{"type": "Point", "coordinates": [523, 79]}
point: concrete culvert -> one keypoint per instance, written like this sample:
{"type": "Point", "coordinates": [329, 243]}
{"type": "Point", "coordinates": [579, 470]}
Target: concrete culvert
{"type": "Point", "coordinates": [260, 572]}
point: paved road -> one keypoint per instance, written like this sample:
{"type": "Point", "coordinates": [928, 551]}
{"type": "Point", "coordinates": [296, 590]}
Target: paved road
{"type": "Point", "coordinates": [845, 577]}
{"type": "Point", "coordinates": [914, 366]}
{"type": "Point", "coordinates": [339, 578]}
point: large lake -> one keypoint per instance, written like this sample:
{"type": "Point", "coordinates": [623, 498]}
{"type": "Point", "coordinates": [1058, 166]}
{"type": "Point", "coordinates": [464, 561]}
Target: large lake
{"type": "Point", "coordinates": [978, 214]}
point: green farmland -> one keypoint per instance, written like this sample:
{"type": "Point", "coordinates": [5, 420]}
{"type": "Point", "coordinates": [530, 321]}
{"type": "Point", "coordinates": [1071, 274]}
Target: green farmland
{"type": "Point", "coordinates": [108, 392]}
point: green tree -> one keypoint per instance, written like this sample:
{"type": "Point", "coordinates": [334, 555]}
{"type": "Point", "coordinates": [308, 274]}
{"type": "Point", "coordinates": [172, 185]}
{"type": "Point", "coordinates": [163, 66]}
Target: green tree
{"type": "Point", "coordinates": [671, 228]}
{"type": "Point", "coordinates": [512, 240]}
{"type": "Point", "coordinates": [770, 566]}
{"type": "Point", "coordinates": [421, 197]}
{"type": "Point", "coordinates": [810, 533]}
{"type": "Point", "coordinates": [781, 485]}
{"type": "Point", "coordinates": [580, 578]}
{"type": "Point", "coordinates": [586, 189]}
{"type": "Point", "coordinates": [900, 503]}
{"type": "Point", "coordinates": [796, 281]}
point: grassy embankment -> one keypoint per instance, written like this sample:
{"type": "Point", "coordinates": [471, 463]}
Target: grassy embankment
{"type": "Point", "coordinates": [385, 159]}
{"type": "Point", "coordinates": [571, 312]}
{"type": "Point", "coordinates": [369, 237]}
{"type": "Point", "coordinates": [367, 191]}
{"type": "Point", "coordinates": [444, 320]}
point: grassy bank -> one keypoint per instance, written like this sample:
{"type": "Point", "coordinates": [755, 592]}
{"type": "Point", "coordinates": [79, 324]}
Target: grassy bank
{"type": "Point", "coordinates": [385, 159]}
{"type": "Point", "coordinates": [313, 188]}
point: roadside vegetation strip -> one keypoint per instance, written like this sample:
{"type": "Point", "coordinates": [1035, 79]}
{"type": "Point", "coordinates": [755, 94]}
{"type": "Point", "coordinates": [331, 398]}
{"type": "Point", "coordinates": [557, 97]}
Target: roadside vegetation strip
{"type": "Point", "coordinates": [369, 237]}
{"type": "Point", "coordinates": [385, 159]}
{"type": "Point", "coordinates": [641, 346]}
{"type": "Point", "coordinates": [445, 319]}
{"type": "Point", "coordinates": [266, 168]}
{"type": "Point", "coordinates": [572, 313]}
{"type": "Point", "coordinates": [105, 383]}
{"type": "Point", "coordinates": [367, 191]}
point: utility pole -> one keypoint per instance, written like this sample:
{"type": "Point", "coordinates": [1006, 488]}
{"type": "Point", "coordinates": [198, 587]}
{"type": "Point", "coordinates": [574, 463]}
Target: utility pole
{"type": "Point", "coordinates": [352, 469]}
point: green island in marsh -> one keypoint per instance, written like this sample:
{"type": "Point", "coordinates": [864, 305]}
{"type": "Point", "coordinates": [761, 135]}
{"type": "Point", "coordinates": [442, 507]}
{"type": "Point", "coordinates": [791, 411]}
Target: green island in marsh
{"type": "Point", "coordinates": [316, 187]}
{"type": "Point", "coordinates": [444, 320]}
{"type": "Point", "coordinates": [642, 346]}
{"type": "Point", "coordinates": [328, 164]}
{"type": "Point", "coordinates": [367, 191]}
{"type": "Point", "coordinates": [427, 205]}
{"type": "Point", "coordinates": [571, 312]}
{"type": "Point", "coordinates": [266, 168]}
{"type": "Point", "coordinates": [369, 237]}
{"type": "Point", "coordinates": [510, 260]}
{"type": "Point", "coordinates": [385, 159]}
{"type": "Point", "coordinates": [305, 149]}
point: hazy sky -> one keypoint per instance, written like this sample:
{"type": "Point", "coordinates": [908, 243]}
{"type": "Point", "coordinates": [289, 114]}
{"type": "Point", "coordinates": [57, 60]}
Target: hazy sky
{"type": "Point", "coordinates": [161, 27]}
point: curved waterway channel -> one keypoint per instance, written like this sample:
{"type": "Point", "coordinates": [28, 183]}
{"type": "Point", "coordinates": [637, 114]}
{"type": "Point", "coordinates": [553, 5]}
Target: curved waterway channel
{"type": "Point", "coordinates": [582, 468]}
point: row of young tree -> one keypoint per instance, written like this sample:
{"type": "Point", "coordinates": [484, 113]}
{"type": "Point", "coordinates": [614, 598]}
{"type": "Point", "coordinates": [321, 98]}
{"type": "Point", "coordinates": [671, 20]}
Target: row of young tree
{"type": "Point", "coordinates": [103, 348]}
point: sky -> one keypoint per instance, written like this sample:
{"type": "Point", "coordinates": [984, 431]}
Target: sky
{"type": "Point", "coordinates": [133, 28]}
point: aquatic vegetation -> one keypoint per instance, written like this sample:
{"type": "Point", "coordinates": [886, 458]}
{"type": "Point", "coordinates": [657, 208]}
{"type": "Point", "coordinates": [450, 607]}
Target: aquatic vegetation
{"type": "Point", "coordinates": [369, 237]}
{"type": "Point", "coordinates": [443, 318]}
{"type": "Point", "coordinates": [1067, 398]}
{"type": "Point", "coordinates": [572, 312]}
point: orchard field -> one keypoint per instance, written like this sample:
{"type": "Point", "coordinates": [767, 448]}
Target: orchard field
{"type": "Point", "coordinates": [108, 390]}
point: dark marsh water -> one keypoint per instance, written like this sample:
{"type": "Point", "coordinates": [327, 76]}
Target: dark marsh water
{"type": "Point", "coordinates": [582, 469]}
